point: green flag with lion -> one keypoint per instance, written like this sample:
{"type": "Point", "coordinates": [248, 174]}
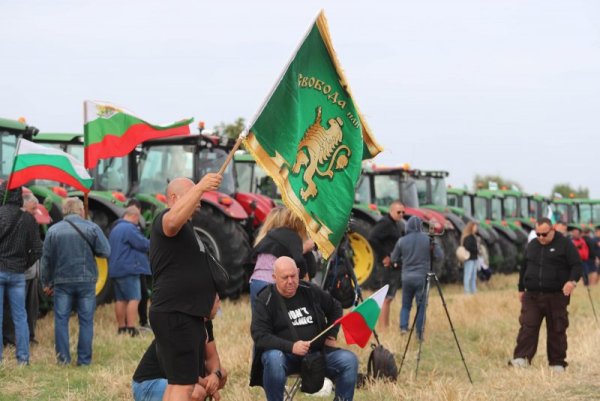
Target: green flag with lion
{"type": "Point", "coordinates": [311, 138]}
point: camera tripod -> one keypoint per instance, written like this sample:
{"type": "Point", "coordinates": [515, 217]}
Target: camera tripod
{"type": "Point", "coordinates": [431, 276]}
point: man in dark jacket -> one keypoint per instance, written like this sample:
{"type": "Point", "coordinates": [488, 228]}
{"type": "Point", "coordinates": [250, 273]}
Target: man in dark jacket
{"type": "Point", "coordinates": [128, 260]}
{"type": "Point", "coordinates": [20, 247]}
{"type": "Point", "coordinates": [382, 238]}
{"type": "Point", "coordinates": [287, 316]}
{"type": "Point", "coordinates": [552, 269]}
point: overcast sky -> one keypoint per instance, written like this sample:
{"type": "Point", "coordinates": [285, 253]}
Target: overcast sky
{"type": "Point", "coordinates": [489, 87]}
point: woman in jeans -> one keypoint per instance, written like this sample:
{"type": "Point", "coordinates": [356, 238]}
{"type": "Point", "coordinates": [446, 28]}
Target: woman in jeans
{"type": "Point", "coordinates": [469, 241]}
{"type": "Point", "coordinates": [282, 234]}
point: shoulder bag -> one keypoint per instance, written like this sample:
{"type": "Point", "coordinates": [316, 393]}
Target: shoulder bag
{"type": "Point", "coordinates": [219, 274]}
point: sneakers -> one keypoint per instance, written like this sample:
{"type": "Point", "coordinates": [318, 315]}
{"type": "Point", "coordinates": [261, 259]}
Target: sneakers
{"type": "Point", "coordinates": [557, 368]}
{"type": "Point", "coordinates": [518, 363]}
{"type": "Point", "coordinates": [403, 332]}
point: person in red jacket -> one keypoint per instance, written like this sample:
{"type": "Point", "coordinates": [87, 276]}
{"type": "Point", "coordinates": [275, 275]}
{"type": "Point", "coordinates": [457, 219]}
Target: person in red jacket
{"type": "Point", "coordinates": [587, 260]}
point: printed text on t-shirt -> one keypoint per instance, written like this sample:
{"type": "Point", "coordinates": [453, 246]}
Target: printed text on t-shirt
{"type": "Point", "coordinates": [300, 317]}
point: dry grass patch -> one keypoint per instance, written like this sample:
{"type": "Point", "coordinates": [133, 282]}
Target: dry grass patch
{"type": "Point", "coordinates": [486, 325]}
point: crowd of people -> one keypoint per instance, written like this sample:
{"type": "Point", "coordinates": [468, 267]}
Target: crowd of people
{"type": "Point", "coordinates": [291, 317]}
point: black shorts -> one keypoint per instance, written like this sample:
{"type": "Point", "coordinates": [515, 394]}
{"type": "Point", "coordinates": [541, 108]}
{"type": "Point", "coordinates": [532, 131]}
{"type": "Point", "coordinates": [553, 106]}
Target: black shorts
{"type": "Point", "coordinates": [180, 340]}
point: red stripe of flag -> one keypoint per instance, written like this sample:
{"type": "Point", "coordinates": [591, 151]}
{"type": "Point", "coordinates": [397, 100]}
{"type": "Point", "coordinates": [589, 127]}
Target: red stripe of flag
{"type": "Point", "coordinates": [117, 146]}
{"type": "Point", "coordinates": [21, 177]}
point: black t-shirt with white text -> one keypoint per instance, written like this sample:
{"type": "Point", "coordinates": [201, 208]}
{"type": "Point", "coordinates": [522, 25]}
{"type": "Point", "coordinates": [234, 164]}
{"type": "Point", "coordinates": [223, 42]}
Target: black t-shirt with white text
{"type": "Point", "coordinates": [302, 316]}
{"type": "Point", "coordinates": [182, 279]}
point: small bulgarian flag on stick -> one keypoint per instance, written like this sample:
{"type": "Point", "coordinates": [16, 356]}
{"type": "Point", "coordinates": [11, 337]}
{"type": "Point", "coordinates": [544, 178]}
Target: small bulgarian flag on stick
{"type": "Point", "coordinates": [360, 322]}
{"type": "Point", "coordinates": [33, 161]}
{"type": "Point", "coordinates": [111, 131]}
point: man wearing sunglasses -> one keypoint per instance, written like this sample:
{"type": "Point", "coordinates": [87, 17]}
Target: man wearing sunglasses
{"type": "Point", "coordinates": [382, 238]}
{"type": "Point", "coordinates": [552, 269]}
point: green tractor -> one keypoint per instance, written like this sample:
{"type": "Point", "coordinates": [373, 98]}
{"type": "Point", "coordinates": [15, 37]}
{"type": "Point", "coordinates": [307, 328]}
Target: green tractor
{"type": "Point", "coordinates": [589, 212]}
{"type": "Point", "coordinates": [577, 212]}
{"type": "Point", "coordinates": [433, 194]}
{"type": "Point", "coordinates": [380, 186]}
{"type": "Point", "coordinates": [257, 188]}
{"type": "Point", "coordinates": [488, 206]}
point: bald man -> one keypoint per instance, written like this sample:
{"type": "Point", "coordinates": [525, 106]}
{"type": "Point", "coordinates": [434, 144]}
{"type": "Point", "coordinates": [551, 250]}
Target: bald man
{"type": "Point", "coordinates": [183, 291]}
{"type": "Point", "coordinates": [282, 337]}
{"type": "Point", "coordinates": [127, 262]}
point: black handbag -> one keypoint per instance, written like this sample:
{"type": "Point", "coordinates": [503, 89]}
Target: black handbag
{"type": "Point", "coordinates": [219, 274]}
{"type": "Point", "coordinates": [312, 372]}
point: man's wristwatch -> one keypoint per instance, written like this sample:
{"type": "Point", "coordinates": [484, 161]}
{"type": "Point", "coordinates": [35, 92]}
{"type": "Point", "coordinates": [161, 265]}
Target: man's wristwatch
{"type": "Point", "coordinates": [218, 373]}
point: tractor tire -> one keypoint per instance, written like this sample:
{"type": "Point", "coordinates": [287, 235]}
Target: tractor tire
{"type": "Point", "coordinates": [448, 269]}
{"type": "Point", "coordinates": [510, 254]}
{"type": "Point", "coordinates": [104, 290]}
{"type": "Point", "coordinates": [496, 257]}
{"type": "Point", "coordinates": [228, 243]}
{"type": "Point", "coordinates": [363, 255]}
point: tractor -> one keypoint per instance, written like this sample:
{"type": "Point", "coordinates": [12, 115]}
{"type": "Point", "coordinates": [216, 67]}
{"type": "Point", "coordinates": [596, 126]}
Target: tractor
{"type": "Point", "coordinates": [488, 206]}
{"type": "Point", "coordinates": [221, 221]}
{"type": "Point", "coordinates": [433, 194]}
{"type": "Point", "coordinates": [144, 174]}
{"type": "Point", "coordinates": [380, 186]}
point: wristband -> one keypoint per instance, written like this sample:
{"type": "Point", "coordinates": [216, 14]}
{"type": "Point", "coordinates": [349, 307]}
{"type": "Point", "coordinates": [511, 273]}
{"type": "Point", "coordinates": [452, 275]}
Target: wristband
{"type": "Point", "coordinates": [218, 373]}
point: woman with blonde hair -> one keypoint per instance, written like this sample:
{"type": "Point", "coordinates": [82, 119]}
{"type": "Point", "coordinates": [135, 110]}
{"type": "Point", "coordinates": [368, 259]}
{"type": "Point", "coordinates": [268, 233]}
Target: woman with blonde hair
{"type": "Point", "coordinates": [282, 234]}
{"type": "Point", "coordinates": [468, 240]}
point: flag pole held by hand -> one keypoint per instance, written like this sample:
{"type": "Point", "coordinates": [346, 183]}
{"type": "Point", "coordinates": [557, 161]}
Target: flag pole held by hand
{"type": "Point", "coordinates": [325, 331]}
{"type": "Point", "coordinates": [242, 136]}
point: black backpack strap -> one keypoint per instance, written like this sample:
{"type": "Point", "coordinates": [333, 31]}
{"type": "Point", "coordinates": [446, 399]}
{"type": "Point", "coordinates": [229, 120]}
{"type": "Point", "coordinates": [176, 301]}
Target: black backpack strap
{"type": "Point", "coordinates": [82, 235]}
{"type": "Point", "coordinates": [371, 362]}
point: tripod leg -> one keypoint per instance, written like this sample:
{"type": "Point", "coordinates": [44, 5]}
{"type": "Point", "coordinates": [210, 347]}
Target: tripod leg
{"type": "Point", "coordinates": [424, 304]}
{"type": "Point", "coordinates": [592, 302]}
{"type": "Point", "coordinates": [410, 333]}
{"type": "Point", "coordinates": [437, 283]}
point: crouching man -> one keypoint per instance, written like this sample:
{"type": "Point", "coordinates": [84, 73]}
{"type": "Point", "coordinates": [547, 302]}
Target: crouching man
{"type": "Point", "coordinates": [286, 317]}
{"type": "Point", "coordinates": [150, 380]}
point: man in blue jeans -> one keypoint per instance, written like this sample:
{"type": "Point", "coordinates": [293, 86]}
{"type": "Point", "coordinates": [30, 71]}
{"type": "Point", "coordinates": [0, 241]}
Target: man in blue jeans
{"type": "Point", "coordinates": [413, 254]}
{"type": "Point", "coordinates": [69, 272]}
{"type": "Point", "coordinates": [287, 315]}
{"type": "Point", "coordinates": [20, 247]}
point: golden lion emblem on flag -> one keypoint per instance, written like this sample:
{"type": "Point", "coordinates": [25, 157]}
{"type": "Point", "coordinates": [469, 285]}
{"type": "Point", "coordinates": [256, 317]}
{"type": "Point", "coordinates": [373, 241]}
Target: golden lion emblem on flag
{"type": "Point", "coordinates": [320, 146]}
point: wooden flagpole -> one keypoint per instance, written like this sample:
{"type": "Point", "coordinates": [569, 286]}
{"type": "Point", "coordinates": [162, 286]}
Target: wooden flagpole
{"type": "Point", "coordinates": [325, 331]}
{"type": "Point", "coordinates": [242, 136]}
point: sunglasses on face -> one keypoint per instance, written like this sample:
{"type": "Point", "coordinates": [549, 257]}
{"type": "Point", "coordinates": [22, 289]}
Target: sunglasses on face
{"type": "Point", "coordinates": [399, 212]}
{"type": "Point", "coordinates": [543, 234]}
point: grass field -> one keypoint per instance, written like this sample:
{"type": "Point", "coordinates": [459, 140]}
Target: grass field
{"type": "Point", "coordinates": [486, 325]}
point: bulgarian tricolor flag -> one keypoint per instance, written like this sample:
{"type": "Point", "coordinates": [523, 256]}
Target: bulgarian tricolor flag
{"type": "Point", "coordinates": [360, 322]}
{"type": "Point", "coordinates": [112, 131]}
{"type": "Point", "coordinates": [37, 162]}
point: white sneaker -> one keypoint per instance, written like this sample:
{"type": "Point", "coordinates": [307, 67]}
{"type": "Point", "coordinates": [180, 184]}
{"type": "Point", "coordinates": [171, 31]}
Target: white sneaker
{"type": "Point", "coordinates": [557, 368]}
{"type": "Point", "coordinates": [519, 363]}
